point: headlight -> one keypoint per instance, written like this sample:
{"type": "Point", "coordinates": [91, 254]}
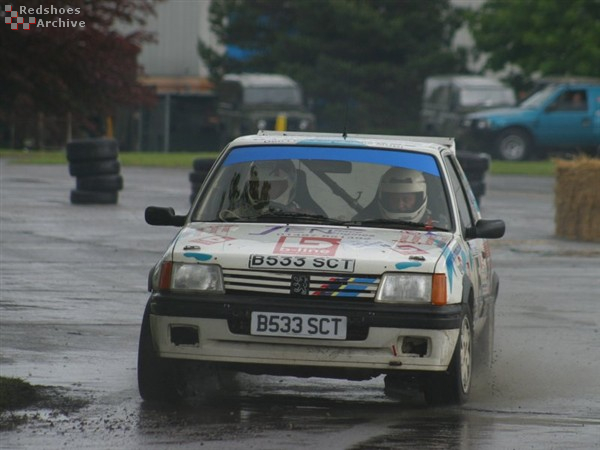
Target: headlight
{"type": "Point", "coordinates": [412, 288]}
{"type": "Point", "coordinates": [304, 124]}
{"type": "Point", "coordinates": [191, 277]}
{"type": "Point", "coordinates": [483, 124]}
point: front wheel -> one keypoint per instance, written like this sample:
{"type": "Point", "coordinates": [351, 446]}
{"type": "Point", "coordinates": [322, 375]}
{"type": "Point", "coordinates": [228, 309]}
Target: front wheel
{"type": "Point", "coordinates": [514, 145]}
{"type": "Point", "coordinates": [157, 377]}
{"type": "Point", "coordinates": [453, 387]}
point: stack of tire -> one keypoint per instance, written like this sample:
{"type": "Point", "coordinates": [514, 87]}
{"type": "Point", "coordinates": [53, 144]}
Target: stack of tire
{"type": "Point", "coordinates": [475, 166]}
{"type": "Point", "coordinates": [201, 168]}
{"type": "Point", "coordinates": [95, 164]}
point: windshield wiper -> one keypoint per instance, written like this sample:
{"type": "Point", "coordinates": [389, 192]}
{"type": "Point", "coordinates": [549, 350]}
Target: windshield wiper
{"type": "Point", "coordinates": [296, 216]}
{"type": "Point", "coordinates": [395, 224]}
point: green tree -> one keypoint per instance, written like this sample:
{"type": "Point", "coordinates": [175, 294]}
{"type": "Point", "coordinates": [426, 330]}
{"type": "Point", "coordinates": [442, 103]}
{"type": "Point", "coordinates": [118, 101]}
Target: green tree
{"type": "Point", "coordinates": [360, 62]}
{"type": "Point", "coordinates": [549, 37]}
{"type": "Point", "coordinates": [82, 71]}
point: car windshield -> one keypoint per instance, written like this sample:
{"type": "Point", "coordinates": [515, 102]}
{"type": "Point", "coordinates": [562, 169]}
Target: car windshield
{"type": "Point", "coordinates": [273, 94]}
{"type": "Point", "coordinates": [326, 185]}
{"type": "Point", "coordinates": [538, 98]}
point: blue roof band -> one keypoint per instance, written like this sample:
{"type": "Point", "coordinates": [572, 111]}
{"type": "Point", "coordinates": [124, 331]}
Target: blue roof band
{"type": "Point", "coordinates": [397, 158]}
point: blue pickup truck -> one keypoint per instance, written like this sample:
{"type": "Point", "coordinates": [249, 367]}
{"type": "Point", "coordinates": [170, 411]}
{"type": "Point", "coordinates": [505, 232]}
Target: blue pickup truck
{"type": "Point", "coordinates": [558, 117]}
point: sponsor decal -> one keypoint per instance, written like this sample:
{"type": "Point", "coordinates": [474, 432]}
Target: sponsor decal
{"type": "Point", "coordinates": [343, 287]}
{"type": "Point", "coordinates": [307, 245]}
{"type": "Point", "coordinates": [299, 231]}
{"type": "Point", "coordinates": [213, 234]}
{"type": "Point", "coordinates": [214, 239]}
{"type": "Point", "coordinates": [407, 249]}
{"type": "Point", "coordinates": [218, 229]}
{"type": "Point", "coordinates": [198, 256]}
{"type": "Point", "coordinates": [407, 265]}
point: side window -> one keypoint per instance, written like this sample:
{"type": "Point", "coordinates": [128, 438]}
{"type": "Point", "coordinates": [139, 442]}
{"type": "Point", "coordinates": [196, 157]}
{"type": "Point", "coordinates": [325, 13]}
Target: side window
{"type": "Point", "coordinates": [572, 100]}
{"type": "Point", "coordinates": [466, 216]}
{"type": "Point", "coordinates": [439, 97]}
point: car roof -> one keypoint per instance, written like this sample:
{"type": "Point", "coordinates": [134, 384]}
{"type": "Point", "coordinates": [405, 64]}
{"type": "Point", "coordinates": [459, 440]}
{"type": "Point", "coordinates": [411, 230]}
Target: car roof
{"type": "Point", "coordinates": [424, 144]}
{"type": "Point", "coordinates": [261, 79]}
{"type": "Point", "coordinates": [466, 80]}
{"type": "Point", "coordinates": [566, 80]}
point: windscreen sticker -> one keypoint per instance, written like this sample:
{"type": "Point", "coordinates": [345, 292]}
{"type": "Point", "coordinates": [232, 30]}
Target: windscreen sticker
{"type": "Point", "coordinates": [397, 158]}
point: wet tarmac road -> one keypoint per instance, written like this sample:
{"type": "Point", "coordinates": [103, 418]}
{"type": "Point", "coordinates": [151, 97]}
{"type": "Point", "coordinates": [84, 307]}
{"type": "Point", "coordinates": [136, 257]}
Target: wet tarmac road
{"type": "Point", "coordinates": [73, 289]}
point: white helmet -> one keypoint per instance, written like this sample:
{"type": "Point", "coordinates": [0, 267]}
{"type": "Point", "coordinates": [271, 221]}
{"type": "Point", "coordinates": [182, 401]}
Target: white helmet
{"type": "Point", "coordinates": [271, 181]}
{"type": "Point", "coordinates": [393, 195]}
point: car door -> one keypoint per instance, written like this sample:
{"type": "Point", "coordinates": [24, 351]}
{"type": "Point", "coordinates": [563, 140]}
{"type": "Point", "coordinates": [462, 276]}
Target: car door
{"type": "Point", "coordinates": [475, 252]}
{"type": "Point", "coordinates": [567, 120]}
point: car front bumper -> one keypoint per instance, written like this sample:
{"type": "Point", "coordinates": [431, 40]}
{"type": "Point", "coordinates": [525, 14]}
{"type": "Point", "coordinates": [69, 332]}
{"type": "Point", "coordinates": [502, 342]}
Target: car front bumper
{"type": "Point", "coordinates": [380, 338]}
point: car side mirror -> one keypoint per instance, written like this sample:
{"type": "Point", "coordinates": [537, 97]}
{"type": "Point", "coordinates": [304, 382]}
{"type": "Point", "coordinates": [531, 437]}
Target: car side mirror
{"type": "Point", "coordinates": [155, 215]}
{"type": "Point", "coordinates": [486, 229]}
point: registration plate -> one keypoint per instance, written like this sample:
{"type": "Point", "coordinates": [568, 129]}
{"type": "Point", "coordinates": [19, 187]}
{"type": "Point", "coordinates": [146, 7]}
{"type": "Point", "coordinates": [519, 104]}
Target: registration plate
{"type": "Point", "coordinates": [298, 325]}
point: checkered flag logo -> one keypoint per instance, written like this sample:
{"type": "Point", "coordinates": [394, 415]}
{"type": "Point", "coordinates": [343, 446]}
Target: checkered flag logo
{"type": "Point", "coordinates": [12, 18]}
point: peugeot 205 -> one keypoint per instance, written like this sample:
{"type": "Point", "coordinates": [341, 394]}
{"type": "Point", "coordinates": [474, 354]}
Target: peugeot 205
{"type": "Point", "coordinates": [324, 255]}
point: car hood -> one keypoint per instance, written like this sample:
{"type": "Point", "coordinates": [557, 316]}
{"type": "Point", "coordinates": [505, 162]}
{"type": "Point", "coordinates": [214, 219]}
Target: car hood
{"type": "Point", "coordinates": [500, 112]}
{"type": "Point", "coordinates": [328, 249]}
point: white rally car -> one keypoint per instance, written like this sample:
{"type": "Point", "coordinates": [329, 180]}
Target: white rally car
{"type": "Point", "coordinates": [311, 254]}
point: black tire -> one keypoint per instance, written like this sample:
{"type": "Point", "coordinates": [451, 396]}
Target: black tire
{"type": "Point", "coordinates": [453, 386]}
{"type": "Point", "coordinates": [91, 168]}
{"type": "Point", "coordinates": [514, 144]}
{"type": "Point", "coordinates": [198, 176]}
{"type": "Point", "coordinates": [478, 188]}
{"type": "Point", "coordinates": [203, 164]}
{"type": "Point", "coordinates": [100, 183]}
{"type": "Point", "coordinates": [94, 197]}
{"type": "Point", "coordinates": [157, 377]}
{"type": "Point", "coordinates": [473, 162]}
{"type": "Point", "coordinates": [485, 345]}
{"type": "Point", "coordinates": [92, 149]}
{"type": "Point", "coordinates": [196, 187]}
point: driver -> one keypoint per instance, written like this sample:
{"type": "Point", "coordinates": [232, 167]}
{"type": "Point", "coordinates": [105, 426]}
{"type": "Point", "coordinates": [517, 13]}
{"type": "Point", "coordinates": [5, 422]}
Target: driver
{"type": "Point", "coordinates": [271, 183]}
{"type": "Point", "coordinates": [401, 195]}
{"type": "Point", "coordinates": [268, 185]}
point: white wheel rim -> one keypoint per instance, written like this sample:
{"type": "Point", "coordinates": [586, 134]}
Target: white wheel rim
{"type": "Point", "coordinates": [465, 355]}
{"type": "Point", "coordinates": [512, 148]}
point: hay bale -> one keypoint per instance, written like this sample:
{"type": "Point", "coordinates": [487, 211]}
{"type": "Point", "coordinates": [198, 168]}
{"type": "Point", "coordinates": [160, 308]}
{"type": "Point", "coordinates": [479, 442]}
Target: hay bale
{"type": "Point", "coordinates": [577, 198]}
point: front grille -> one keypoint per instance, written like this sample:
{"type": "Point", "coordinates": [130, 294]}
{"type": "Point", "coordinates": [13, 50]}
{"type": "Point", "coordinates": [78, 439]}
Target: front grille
{"type": "Point", "coordinates": [300, 284]}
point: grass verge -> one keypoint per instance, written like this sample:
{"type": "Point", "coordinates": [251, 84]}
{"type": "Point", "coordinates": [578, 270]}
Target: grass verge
{"type": "Point", "coordinates": [142, 159]}
{"type": "Point", "coordinates": [21, 402]}
{"type": "Point", "coordinates": [16, 393]}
